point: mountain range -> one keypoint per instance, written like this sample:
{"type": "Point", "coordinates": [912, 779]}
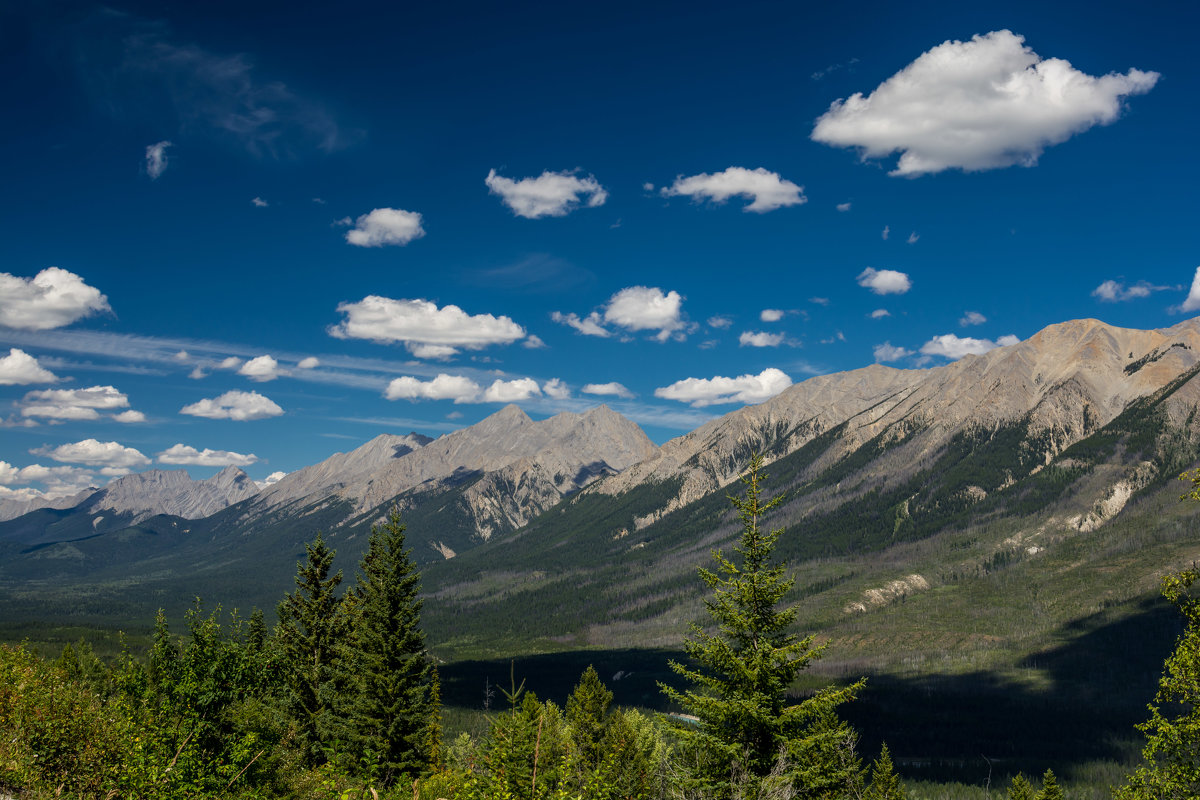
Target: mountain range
{"type": "Point", "coordinates": [577, 530]}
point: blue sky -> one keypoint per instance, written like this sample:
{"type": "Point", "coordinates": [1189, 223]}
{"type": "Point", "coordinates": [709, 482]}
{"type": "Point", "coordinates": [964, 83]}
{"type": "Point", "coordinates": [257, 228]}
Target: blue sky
{"type": "Point", "coordinates": [261, 233]}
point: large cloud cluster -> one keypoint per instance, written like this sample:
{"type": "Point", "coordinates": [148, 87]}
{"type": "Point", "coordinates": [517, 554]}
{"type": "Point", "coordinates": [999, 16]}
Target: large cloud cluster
{"type": "Point", "coordinates": [426, 330]}
{"type": "Point", "coordinates": [51, 299]}
{"type": "Point", "coordinates": [982, 104]}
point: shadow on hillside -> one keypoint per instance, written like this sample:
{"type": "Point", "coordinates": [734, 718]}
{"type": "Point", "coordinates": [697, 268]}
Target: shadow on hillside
{"type": "Point", "coordinates": [1079, 702]}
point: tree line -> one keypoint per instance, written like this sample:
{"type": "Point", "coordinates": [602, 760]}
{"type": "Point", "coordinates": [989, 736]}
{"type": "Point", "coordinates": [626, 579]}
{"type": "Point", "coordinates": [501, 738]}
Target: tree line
{"type": "Point", "coordinates": [341, 699]}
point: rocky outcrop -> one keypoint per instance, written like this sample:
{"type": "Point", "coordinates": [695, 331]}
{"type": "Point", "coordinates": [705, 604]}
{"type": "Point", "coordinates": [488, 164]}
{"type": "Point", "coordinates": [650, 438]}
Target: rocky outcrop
{"type": "Point", "coordinates": [1062, 384]}
{"type": "Point", "coordinates": [172, 492]}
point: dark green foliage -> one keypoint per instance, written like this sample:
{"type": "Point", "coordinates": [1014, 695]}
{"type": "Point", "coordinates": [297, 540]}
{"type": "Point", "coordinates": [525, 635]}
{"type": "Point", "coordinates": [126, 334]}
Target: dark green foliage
{"type": "Point", "coordinates": [744, 716]}
{"type": "Point", "coordinates": [1172, 752]}
{"type": "Point", "coordinates": [384, 671]}
{"type": "Point", "coordinates": [885, 783]}
{"type": "Point", "coordinates": [587, 714]}
{"type": "Point", "coordinates": [1050, 788]}
{"type": "Point", "coordinates": [1020, 788]}
{"type": "Point", "coordinates": [308, 633]}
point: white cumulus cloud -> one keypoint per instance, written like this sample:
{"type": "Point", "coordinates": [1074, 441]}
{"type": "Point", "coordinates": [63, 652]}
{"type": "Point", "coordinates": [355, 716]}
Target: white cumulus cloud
{"type": "Point", "coordinates": [51, 299]}
{"type": "Point", "coordinates": [551, 194]}
{"type": "Point", "coordinates": [556, 389]}
{"type": "Point", "coordinates": [768, 190]}
{"type": "Point", "coordinates": [888, 352]}
{"type": "Point", "coordinates": [261, 369]}
{"type": "Point", "coordinates": [771, 315]}
{"type": "Point", "coordinates": [274, 477]}
{"type": "Point", "coordinates": [19, 368]}
{"type": "Point", "coordinates": [884, 281]}
{"type": "Point", "coordinates": [879, 313]}
{"type": "Point", "coordinates": [749, 389]}
{"type": "Point", "coordinates": [259, 202]}
{"type": "Point", "coordinates": [190, 456]}
{"type": "Point", "coordinates": [156, 159]}
{"type": "Point", "coordinates": [760, 339]}
{"type": "Point", "coordinates": [385, 226]}
{"type": "Point", "coordinates": [94, 453]}
{"type": "Point", "coordinates": [235, 405]}
{"type": "Point", "coordinates": [426, 330]}
{"type": "Point", "coordinates": [511, 391]}
{"type": "Point", "coordinates": [72, 404]}
{"type": "Point", "coordinates": [443, 387]}
{"type": "Point", "coordinates": [987, 103]}
{"type": "Point", "coordinates": [130, 417]}
{"type": "Point", "coordinates": [613, 389]}
{"type": "Point", "coordinates": [972, 318]}
{"type": "Point", "coordinates": [640, 308]}
{"type": "Point", "coordinates": [954, 347]}
{"type": "Point", "coordinates": [311, 362]}
{"type": "Point", "coordinates": [1193, 299]}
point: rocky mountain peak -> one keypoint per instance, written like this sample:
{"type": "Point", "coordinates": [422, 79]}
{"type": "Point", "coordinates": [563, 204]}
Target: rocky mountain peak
{"type": "Point", "coordinates": [159, 491]}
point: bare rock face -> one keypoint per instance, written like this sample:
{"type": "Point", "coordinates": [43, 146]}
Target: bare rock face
{"type": "Point", "coordinates": [173, 492]}
{"type": "Point", "coordinates": [512, 467]}
{"type": "Point", "coordinates": [341, 469]}
{"type": "Point", "coordinates": [1064, 383]}
{"type": "Point", "coordinates": [566, 451]}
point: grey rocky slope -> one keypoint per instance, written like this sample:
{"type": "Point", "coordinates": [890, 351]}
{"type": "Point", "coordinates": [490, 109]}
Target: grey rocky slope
{"type": "Point", "coordinates": [172, 492]}
{"type": "Point", "coordinates": [508, 469]}
{"type": "Point", "coordinates": [1063, 383]}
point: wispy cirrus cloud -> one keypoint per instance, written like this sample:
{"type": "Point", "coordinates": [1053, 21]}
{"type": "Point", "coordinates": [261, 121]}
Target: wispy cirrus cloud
{"type": "Point", "coordinates": [135, 68]}
{"type": "Point", "coordinates": [156, 159]}
{"type": "Point", "coordinates": [1118, 292]}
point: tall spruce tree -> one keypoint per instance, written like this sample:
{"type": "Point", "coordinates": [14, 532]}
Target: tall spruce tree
{"type": "Point", "coordinates": [587, 714]}
{"type": "Point", "coordinates": [384, 667]}
{"type": "Point", "coordinates": [308, 634]}
{"type": "Point", "coordinates": [739, 695]}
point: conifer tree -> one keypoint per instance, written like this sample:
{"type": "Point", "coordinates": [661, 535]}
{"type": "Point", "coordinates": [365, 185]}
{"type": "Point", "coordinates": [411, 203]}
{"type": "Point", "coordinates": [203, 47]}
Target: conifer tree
{"type": "Point", "coordinates": [587, 714]}
{"type": "Point", "coordinates": [885, 783]}
{"type": "Point", "coordinates": [384, 665]}
{"type": "Point", "coordinates": [1020, 788]}
{"type": "Point", "coordinates": [744, 670]}
{"type": "Point", "coordinates": [1050, 788]}
{"type": "Point", "coordinates": [308, 636]}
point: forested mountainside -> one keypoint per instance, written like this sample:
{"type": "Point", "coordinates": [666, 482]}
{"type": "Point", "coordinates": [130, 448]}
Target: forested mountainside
{"type": "Point", "coordinates": [899, 483]}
